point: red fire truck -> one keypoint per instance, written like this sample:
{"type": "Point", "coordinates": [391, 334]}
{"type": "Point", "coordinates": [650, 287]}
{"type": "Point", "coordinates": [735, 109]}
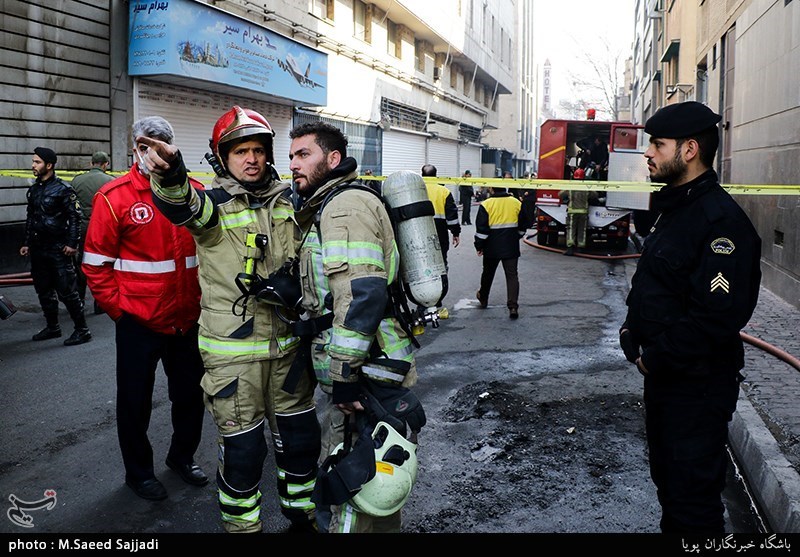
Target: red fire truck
{"type": "Point", "coordinates": [610, 215]}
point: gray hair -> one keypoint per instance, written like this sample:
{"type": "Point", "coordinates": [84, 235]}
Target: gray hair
{"type": "Point", "coordinates": [155, 127]}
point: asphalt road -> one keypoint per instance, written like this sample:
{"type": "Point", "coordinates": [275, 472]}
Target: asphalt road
{"type": "Point", "coordinates": [535, 425]}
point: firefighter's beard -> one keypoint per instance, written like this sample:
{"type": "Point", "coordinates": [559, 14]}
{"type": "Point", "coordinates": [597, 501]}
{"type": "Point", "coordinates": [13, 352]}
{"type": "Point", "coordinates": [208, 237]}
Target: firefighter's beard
{"type": "Point", "coordinates": [670, 172]}
{"type": "Point", "coordinates": [316, 178]}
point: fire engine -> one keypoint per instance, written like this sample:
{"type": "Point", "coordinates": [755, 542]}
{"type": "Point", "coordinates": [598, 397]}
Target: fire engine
{"type": "Point", "coordinates": [561, 148]}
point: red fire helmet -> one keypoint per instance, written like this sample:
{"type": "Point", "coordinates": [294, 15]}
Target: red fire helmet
{"type": "Point", "coordinates": [579, 174]}
{"type": "Point", "coordinates": [240, 122]}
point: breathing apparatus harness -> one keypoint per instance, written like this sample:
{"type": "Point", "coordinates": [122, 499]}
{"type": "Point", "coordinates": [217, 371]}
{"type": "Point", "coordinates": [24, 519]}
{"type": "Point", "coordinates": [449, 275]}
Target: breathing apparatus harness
{"type": "Point", "coordinates": [398, 298]}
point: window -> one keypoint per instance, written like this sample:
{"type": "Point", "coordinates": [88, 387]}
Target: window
{"type": "Point", "coordinates": [322, 8]}
{"type": "Point", "coordinates": [360, 22]}
{"type": "Point", "coordinates": [393, 44]}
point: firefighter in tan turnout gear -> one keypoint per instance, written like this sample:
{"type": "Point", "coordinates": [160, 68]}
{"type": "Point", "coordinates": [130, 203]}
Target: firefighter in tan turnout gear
{"type": "Point", "coordinates": [247, 239]}
{"type": "Point", "coordinates": [349, 259]}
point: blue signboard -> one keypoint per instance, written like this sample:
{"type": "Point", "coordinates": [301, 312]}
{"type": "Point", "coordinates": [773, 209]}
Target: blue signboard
{"type": "Point", "coordinates": [191, 39]}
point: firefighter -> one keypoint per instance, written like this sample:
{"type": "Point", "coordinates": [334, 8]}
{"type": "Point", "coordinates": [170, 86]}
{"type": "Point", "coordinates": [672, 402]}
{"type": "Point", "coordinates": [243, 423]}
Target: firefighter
{"type": "Point", "coordinates": [499, 226]}
{"type": "Point", "coordinates": [695, 286]}
{"type": "Point", "coordinates": [347, 264]}
{"type": "Point", "coordinates": [577, 214]}
{"type": "Point", "coordinates": [246, 240]}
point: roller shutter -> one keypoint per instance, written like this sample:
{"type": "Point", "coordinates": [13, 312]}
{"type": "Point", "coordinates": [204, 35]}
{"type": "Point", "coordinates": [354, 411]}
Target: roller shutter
{"type": "Point", "coordinates": [469, 158]}
{"type": "Point", "coordinates": [443, 154]}
{"type": "Point", "coordinates": [193, 113]}
{"type": "Point", "coordinates": [402, 151]}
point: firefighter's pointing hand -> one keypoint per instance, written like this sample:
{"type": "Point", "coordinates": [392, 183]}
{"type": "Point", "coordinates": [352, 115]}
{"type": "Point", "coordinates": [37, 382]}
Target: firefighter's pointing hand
{"type": "Point", "coordinates": [159, 156]}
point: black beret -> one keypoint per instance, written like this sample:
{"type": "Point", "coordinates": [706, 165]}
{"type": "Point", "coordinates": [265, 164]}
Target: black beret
{"type": "Point", "coordinates": [676, 121]}
{"type": "Point", "coordinates": [47, 155]}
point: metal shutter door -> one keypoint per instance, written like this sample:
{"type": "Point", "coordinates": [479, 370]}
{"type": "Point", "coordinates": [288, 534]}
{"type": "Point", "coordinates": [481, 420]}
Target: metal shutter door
{"type": "Point", "coordinates": [469, 159]}
{"type": "Point", "coordinates": [402, 151]}
{"type": "Point", "coordinates": [443, 154]}
{"type": "Point", "coordinates": [193, 113]}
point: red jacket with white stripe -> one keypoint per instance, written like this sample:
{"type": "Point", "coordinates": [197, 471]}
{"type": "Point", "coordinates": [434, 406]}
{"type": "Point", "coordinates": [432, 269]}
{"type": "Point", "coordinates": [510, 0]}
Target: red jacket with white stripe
{"type": "Point", "coordinates": [138, 262]}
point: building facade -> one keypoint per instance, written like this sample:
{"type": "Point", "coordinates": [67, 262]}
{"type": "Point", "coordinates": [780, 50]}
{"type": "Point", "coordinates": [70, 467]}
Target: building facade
{"type": "Point", "coordinates": [741, 59]}
{"type": "Point", "coordinates": [410, 81]}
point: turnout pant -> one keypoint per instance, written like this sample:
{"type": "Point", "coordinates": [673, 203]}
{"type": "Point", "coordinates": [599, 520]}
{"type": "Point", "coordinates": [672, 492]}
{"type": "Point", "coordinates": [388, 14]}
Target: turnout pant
{"type": "Point", "coordinates": [244, 399]}
{"type": "Point", "coordinates": [687, 434]}
{"type": "Point", "coordinates": [512, 279]}
{"type": "Point", "coordinates": [139, 350]}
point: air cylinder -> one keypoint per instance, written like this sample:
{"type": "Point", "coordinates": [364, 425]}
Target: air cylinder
{"type": "Point", "coordinates": [422, 268]}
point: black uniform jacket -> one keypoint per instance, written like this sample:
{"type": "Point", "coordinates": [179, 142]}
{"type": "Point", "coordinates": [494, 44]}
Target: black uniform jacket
{"type": "Point", "coordinates": [499, 225]}
{"type": "Point", "coordinates": [54, 215]}
{"type": "Point", "coordinates": [696, 283]}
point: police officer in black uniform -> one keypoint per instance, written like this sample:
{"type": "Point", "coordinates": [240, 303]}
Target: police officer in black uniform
{"type": "Point", "coordinates": [695, 288]}
{"type": "Point", "coordinates": [52, 235]}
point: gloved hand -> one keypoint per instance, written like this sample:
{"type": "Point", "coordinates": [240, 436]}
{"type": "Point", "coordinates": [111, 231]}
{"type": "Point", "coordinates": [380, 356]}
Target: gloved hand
{"type": "Point", "coordinates": [396, 405]}
{"type": "Point", "coordinates": [629, 347]}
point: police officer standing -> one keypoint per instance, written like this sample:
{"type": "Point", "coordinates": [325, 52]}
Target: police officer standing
{"type": "Point", "coordinates": [52, 233]}
{"type": "Point", "coordinates": [695, 288]}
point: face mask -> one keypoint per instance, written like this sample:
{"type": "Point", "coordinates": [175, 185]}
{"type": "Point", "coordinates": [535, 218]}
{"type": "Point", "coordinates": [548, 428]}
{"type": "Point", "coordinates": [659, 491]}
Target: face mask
{"type": "Point", "coordinates": [140, 162]}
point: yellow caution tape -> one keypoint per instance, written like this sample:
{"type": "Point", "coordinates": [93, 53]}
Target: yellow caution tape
{"type": "Point", "coordinates": [533, 184]}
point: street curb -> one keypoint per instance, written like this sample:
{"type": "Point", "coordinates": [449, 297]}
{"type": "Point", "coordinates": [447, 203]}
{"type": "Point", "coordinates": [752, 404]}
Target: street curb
{"type": "Point", "coordinates": [775, 483]}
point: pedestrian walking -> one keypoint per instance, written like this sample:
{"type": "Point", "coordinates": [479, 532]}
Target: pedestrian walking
{"type": "Point", "coordinates": [85, 186]}
{"type": "Point", "coordinates": [465, 195]}
{"type": "Point", "coordinates": [499, 226]}
{"type": "Point", "coordinates": [695, 287]}
{"type": "Point", "coordinates": [247, 241]}
{"type": "Point", "coordinates": [143, 272]}
{"type": "Point", "coordinates": [52, 236]}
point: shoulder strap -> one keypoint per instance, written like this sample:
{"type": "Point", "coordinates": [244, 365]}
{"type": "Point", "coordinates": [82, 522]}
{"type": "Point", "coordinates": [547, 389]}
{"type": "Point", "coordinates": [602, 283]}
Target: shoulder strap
{"type": "Point", "coordinates": [397, 295]}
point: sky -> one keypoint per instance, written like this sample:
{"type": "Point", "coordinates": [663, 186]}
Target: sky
{"type": "Point", "coordinates": [568, 31]}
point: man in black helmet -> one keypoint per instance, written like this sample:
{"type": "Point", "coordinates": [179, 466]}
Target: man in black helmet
{"type": "Point", "coordinates": [52, 237]}
{"type": "Point", "coordinates": [695, 287]}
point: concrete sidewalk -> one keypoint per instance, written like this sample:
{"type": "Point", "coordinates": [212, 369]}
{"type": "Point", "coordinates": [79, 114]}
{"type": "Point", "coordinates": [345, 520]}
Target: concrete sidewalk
{"type": "Point", "coordinates": [765, 429]}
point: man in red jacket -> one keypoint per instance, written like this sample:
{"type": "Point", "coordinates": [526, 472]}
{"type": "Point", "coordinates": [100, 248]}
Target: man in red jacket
{"type": "Point", "coordinates": [142, 270]}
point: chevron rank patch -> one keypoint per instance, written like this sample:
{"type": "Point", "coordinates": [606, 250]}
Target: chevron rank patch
{"type": "Point", "coordinates": [722, 246]}
{"type": "Point", "coordinates": [719, 282]}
